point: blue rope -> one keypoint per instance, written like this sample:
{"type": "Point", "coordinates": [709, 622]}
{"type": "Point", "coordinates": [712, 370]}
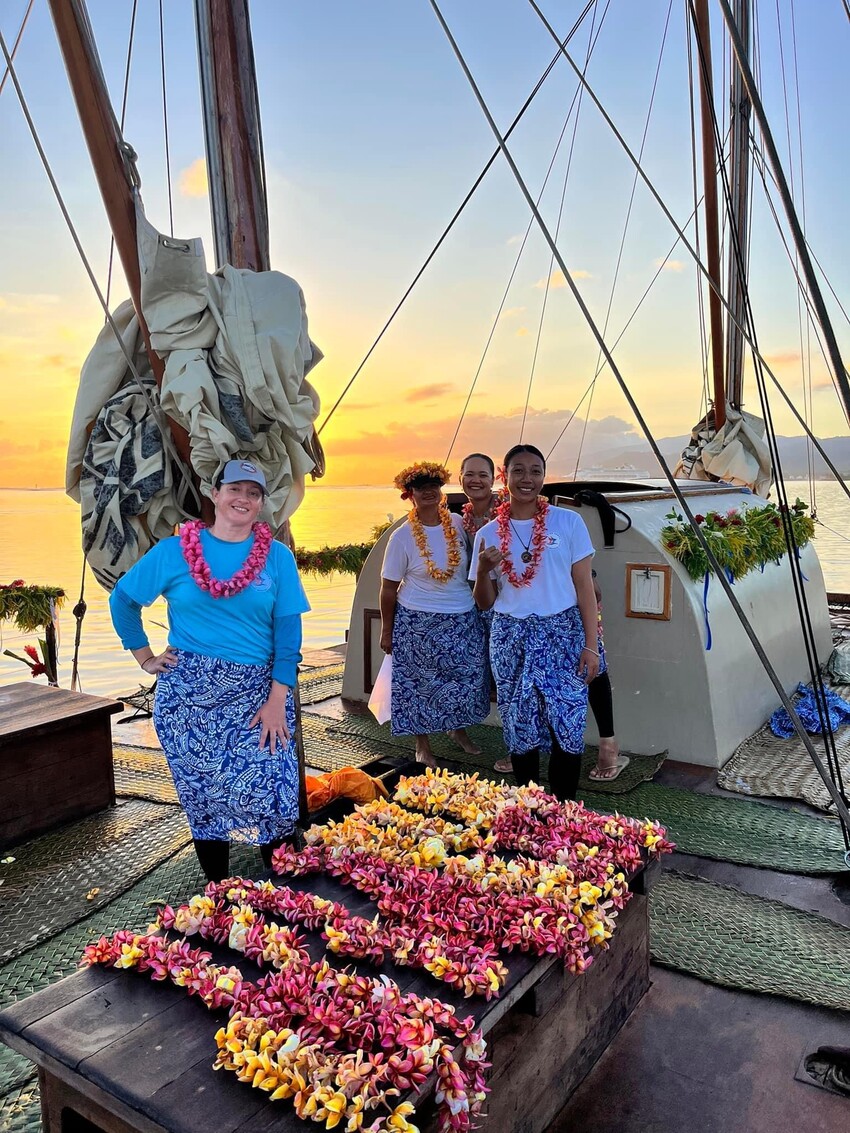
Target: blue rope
{"type": "Point", "coordinates": [807, 709]}
{"type": "Point", "coordinates": [705, 610]}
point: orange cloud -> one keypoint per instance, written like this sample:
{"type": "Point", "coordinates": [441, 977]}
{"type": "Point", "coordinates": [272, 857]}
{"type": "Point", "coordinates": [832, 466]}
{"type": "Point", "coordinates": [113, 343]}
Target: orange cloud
{"type": "Point", "coordinates": [786, 358]}
{"type": "Point", "coordinates": [669, 265]}
{"type": "Point", "coordinates": [428, 392]}
{"type": "Point", "coordinates": [511, 312]}
{"type": "Point", "coordinates": [522, 332]}
{"type": "Point", "coordinates": [193, 180]}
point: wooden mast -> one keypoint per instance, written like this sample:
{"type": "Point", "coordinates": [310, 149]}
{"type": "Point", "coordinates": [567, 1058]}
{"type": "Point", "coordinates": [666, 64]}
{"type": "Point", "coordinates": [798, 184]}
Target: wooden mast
{"type": "Point", "coordinates": [237, 179]}
{"type": "Point", "coordinates": [699, 11]}
{"type": "Point", "coordinates": [740, 194]}
{"type": "Point", "coordinates": [114, 167]}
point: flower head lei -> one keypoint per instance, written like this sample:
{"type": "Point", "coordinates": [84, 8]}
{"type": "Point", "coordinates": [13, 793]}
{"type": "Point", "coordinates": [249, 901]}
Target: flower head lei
{"type": "Point", "coordinates": [537, 545]}
{"type": "Point", "coordinates": [424, 471]}
{"type": "Point", "coordinates": [193, 553]}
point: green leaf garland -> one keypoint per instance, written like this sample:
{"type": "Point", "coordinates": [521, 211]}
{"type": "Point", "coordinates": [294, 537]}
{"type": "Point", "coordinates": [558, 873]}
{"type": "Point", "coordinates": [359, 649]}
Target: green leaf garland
{"type": "Point", "coordinates": [741, 540]}
{"type": "Point", "coordinates": [28, 607]}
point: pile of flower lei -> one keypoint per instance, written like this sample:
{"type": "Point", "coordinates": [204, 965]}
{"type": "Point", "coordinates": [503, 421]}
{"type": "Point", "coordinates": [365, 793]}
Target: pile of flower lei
{"type": "Point", "coordinates": [232, 913]}
{"type": "Point", "coordinates": [741, 540]}
{"type": "Point", "coordinates": [565, 905]}
{"type": "Point", "coordinates": [338, 1044]}
{"type": "Point", "coordinates": [536, 546]}
{"type": "Point", "coordinates": [452, 543]}
{"type": "Point", "coordinates": [193, 553]}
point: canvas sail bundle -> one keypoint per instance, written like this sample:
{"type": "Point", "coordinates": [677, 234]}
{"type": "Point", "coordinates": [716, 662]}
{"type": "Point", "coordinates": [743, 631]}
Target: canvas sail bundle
{"type": "Point", "coordinates": [237, 352]}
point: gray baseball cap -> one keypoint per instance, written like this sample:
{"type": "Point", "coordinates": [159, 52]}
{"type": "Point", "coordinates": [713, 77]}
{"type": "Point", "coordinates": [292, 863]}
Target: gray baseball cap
{"type": "Point", "coordinates": [237, 470]}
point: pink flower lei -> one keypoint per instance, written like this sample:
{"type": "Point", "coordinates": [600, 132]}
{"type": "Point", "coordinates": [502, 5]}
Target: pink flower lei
{"type": "Point", "coordinates": [469, 518]}
{"type": "Point", "coordinates": [538, 541]}
{"type": "Point", "coordinates": [193, 553]}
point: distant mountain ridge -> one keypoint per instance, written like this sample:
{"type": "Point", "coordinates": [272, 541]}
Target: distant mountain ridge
{"type": "Point", "coordinates": [792, 453]}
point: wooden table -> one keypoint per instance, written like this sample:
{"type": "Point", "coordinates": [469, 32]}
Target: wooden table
{"type": "Point", "coordinates": [55, 758]}
{"type": "Point", "coordinates": [122, 1053]}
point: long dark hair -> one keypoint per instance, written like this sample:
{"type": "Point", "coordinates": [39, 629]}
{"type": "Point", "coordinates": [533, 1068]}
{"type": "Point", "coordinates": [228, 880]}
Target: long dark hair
{"type": "Point", "coordinates": [517, 449]}
{"type": "Point", "coordinates": [480, 456]}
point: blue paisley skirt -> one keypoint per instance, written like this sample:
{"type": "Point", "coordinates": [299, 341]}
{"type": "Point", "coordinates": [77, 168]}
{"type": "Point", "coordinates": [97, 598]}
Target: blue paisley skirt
{"type": "Point", "coordinates": [229, 788]}
{"type": "Point", "coordinates": [440, 679]}
{"type": "Point", "coordinates": [535, 665]}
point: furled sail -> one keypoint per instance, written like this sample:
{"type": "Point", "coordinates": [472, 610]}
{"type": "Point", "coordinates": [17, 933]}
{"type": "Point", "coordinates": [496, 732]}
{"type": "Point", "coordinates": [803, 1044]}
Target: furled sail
{"type": "Point", "coordinates": [237, 352]}
{"type": "Point", "coordinates": [737, 454]}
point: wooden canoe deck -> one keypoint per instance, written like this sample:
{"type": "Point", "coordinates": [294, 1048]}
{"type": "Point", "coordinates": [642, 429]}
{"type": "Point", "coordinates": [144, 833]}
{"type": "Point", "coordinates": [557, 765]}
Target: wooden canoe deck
{"type": "Point", "coordinates": [55, 758]}
{"type": "Point", "coordinates": [120, 1052]}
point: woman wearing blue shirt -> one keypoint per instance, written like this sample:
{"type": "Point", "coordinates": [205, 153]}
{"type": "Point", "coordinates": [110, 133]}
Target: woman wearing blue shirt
{"type": "Point", "coordinates": [224, 711]}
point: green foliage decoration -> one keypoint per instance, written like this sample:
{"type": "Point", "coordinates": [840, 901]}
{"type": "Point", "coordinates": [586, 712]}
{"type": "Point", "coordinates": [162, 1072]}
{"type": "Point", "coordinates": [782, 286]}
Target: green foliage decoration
{"type": "Point", "coordinates": [741, 540]}
{"type": "Point", "coordinates": [28, 608]}
{"type": "Point", "coordinates": [347, 558]}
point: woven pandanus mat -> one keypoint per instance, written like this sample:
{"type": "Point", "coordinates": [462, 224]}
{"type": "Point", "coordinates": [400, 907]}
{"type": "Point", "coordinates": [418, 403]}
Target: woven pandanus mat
{"type": "Point", "coordinates": [742, 941]}
{"type": "Point", "coordinates": [20, 1110]}
{"type": "Point", "coordinates": [320, 684]}
{"type": "Point", "coordinates": [175, 880]}
{"type": "Point", "coordinates": [774, 768]}
{"type": "Point", "coordinates": [731, 830]}
{"type": "Point", "coordinates": [142, 773]}
{"type": "Point", "coordinates": [63, 876]}
{"type": "Point", "coordinates": [328, 749]}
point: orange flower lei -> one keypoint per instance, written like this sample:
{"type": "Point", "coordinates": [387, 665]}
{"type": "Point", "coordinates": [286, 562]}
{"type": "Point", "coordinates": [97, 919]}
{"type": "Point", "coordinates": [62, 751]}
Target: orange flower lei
{"type": "Point", "coordinates": [421, 541]}
{"type": "Point", "coordinates": [538, 541]}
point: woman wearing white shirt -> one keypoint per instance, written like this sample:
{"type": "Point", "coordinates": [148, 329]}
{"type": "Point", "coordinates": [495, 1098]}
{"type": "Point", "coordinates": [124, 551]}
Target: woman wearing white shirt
{"type": "Point", "coordinates": [532, 566]}
{"type": "Point", "coordinates": [429, 622]}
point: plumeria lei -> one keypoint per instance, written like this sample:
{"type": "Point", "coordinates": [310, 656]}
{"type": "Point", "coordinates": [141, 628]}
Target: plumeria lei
{"type": "Point", "coordinates": [472, 523]}
{"type": "Point", "coordinates": [452, 543]}
{"type": "Point", "coordinates": [536, 546]}
{"type": "Point", "coordinates": [338, 1044]}
{"type": "Point", "coordinates": [193, 553]}
{"type": "Point", "coordinates": [422, 470]}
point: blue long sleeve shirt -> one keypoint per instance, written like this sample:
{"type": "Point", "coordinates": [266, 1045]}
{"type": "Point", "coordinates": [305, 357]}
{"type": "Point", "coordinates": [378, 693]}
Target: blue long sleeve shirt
{"type": "Point", "coordinates": [261, 623]}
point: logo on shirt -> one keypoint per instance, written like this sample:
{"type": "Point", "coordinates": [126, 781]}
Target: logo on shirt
{"type": "Point", "coordinates": [553, 541]}
{"type": "Point", "coordinates": [262, 581]}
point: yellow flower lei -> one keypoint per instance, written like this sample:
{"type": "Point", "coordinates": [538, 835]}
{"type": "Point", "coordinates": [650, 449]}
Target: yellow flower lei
{"type": "Point", "coordinates": [421, 541]}
{"type": "Point", "coordinates": [429, 468]}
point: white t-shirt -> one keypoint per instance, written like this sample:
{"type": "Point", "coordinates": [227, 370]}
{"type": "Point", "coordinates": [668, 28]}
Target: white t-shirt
{"type": "Point", "coordinates": [418, 591]}
{"type": "Point", "coordinates": [552, 588]}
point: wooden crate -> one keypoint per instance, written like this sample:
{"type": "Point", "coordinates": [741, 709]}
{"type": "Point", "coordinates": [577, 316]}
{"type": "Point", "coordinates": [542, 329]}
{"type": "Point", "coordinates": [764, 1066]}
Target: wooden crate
{"type": "Point", "coordinates": [55, 758]}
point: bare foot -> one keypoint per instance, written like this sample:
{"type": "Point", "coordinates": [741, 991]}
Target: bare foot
{"type": "Point", "coordinates": [459, 736]}
{"type": "Point", "coordinates": [609, 762]}
{"type": "Point", "coordinates": [425, 755]}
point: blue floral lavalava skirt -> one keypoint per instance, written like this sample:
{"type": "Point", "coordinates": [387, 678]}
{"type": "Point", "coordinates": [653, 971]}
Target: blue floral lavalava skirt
{"type": "Point", "coordinates": [229, 787]}
{"type": "Point", "coordinates": [535, 665]}
{"type": "Point", "coordinates": [440, 678]}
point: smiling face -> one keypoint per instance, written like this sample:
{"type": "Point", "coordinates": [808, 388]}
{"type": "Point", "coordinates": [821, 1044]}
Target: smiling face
{"type": "Point", "coordinates": [426, 495]}
{"type": "Point", "coordinates": [526, 473]}
{"type": "Point", "coordinates": [238, 504]}
{"type": "Point", "coordinates": [476, 479]}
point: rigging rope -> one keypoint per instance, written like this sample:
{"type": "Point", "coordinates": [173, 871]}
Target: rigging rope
{"type": "Point", "coordinates": [704, 400]}
{"type": "Point", "coordinates": [837, 796]}
{"type": "Point", "coordinates": [165, 119]}
{"type": "Point", "coordinates": [797, 577]}
{"type": "Point", "coordinates": [454, 219]}
{"type": "Point", "coordinates": [548, 285]}
{"type": "Point", "coordinates": [156, 412]}
{"type": "Point", "coordinates": [518, 257]}
{"type": "Point", "coordinates": [130, 40]}
{"type": "Point", "coordinates": [17, 43]}
{"type": "Point", "coordinates": [625, 232]}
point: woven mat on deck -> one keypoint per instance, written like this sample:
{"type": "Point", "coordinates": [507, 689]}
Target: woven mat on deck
{"type": "Point", "coordinates": [320, 684]}
{"type": "Point", "coordinates": [738, 940]}
{"type": "Point", "coordinates": [175, 880]}
{"type": "Point", "coordinates": [20, 1109]}
{"type": "Point", "coordinates": [367, 730]}
{"type": "Point", "coordinates": [768, 766]}
{"type": "Point", "coordinates": [142, 773]}
{"type": "Point", "coordinates": [732, 830]}
{"type": "Point", "coordinates": [46, 887]}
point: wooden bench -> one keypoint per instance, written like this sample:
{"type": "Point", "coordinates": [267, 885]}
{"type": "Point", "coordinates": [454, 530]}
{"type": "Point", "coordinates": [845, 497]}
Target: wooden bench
{"type": "Point", "coordinates": [55, 758]}
{"type": "Point", "coordinates": [117, 1052]}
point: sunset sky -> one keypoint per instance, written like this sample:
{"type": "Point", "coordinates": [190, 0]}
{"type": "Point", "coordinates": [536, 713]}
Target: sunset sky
{"type": "Point", "coordinates": [372, 138]}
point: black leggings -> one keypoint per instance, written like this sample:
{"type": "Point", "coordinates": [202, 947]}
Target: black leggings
{"type": "Point", "coordinates": [602, 705]}
{"type": "Point", "coordinates": [564, 770]}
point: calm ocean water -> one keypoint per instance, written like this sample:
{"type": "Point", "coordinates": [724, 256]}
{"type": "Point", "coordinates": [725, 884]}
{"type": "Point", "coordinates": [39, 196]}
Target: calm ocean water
{"type": "Point", "coordinates": [40, 542]}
